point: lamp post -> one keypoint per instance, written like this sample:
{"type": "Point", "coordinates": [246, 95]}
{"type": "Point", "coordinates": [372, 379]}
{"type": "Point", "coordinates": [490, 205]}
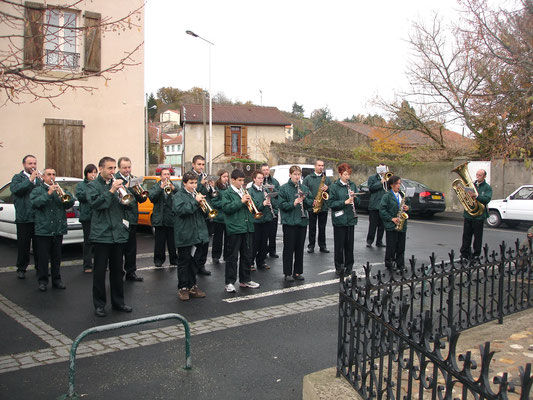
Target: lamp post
{"type": "Point", "coordinates": [210, 158]}
{"type": "Point", "coordinates": [147, 137]}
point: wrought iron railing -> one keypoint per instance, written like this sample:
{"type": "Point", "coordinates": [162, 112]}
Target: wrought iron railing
{"type": "Point", "coordinates": [62, 59]}
{"type": "Point", "coordinates": [398, 331]}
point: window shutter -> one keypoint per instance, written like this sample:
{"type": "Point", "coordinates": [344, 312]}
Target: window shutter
{"type": "Point", "coordinates": [93, 42]}
{"type": "Point", "coordinates": [227, 141]}
{"type": "Point", "coordinates": [244, 140]}
{"type": "Point", "coordinates": [33, 35]}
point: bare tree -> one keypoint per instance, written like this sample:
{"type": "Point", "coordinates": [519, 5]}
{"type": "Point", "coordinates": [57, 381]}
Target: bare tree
{"type": "Point", "coordinates": [38, 48]}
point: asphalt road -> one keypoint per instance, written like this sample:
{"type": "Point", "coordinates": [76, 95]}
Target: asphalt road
{"type": "Point", "coordinates": [253, 344]}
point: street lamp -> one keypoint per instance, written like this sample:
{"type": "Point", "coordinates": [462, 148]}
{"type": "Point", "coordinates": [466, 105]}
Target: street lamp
{"type": "Point", "coordinates": [210, 158]}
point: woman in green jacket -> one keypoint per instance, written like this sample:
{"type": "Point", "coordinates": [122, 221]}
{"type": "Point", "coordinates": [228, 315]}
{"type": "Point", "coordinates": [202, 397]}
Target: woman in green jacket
{"type": "Point", "coordinates": [89, 173]}
{"type": "Point", "coordinates": [295, 201]}
{"type": "Point", "coordinates": [389, 211]}
{"type": "Point", "coordinates": [343, 203]}
{"type": "Point", "coordinates": [219, 228]}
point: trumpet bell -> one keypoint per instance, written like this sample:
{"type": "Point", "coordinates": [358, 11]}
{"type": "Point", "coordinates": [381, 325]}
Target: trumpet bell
{"type": "Point", "coordinates": [213, 213]}
{"type": "Point", "coordinates": [258, 215]}
{"type": "Point", "coordinates": [65, 198]}
{"type": "Point", "coordinates": [127, 199]}
{"type": "Point", "coordinates": [325, 195]}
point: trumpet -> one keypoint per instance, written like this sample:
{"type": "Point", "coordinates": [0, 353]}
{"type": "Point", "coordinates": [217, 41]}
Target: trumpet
{"type": "Point", "coordinates": [138, 188]}
{"type": "Point", "coordinates": [168, 187]}
{"type": "Point", "coordinates": [40, 174]}
{"type": "Point", "coordinates": [206, 208]}
{"type": "Point", "coordinates": [251, 206]}
{"type": "Point", "coordinates": [124, 197]}
{"type": "Point", "coordinates": [64, 197]}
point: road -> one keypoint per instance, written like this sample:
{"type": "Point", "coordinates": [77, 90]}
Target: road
{"type": "Point", "coordinates": [253, 344]}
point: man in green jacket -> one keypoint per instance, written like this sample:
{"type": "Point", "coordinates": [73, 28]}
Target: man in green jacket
{"type": "Point", "coordinates": [473, 226]}
{"type": "Point", "coordinates": [189, 230]}
{"type": "Point", "coordinates": [376, 186]}
{"type": "Point", "coordinates": [313, 181]}
{"type": "Point", "coordinates": [22, 185]}
{"type": "Point", "coordinates": [50, 226]}
{"type": "Point", "coordinates": [272, 225]}
{"type": "Point", "coordinates": [109, 234]}
{"type": "Point", "coordinates": [239, 230]}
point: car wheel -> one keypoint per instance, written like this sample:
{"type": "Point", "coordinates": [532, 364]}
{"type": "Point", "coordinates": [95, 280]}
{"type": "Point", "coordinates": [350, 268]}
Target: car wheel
{"type": "Point", "coordinates": [494, 219]}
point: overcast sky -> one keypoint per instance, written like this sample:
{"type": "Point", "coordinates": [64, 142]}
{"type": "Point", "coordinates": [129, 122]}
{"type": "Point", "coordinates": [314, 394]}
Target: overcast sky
{"type": "Point", "coordinates": [339, 54]}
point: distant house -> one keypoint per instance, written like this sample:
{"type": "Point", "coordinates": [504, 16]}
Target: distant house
{"type": "Point", "coordinates": [238, 131]}
{"type": "Point", "coordinates": [173, 150]}
{"type": "Point", "coordinates": [170, 116]}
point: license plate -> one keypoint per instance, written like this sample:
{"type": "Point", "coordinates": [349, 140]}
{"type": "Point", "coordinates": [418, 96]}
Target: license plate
{"type": "Point", "coordinates": [436, 197]}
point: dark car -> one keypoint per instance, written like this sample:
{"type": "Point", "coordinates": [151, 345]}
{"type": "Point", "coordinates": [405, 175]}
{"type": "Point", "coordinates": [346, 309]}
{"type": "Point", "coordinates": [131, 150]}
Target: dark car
{"type": "Point", "coordinates": [164, 166]}
{"type": "Point", "coordinates": [424, 201]}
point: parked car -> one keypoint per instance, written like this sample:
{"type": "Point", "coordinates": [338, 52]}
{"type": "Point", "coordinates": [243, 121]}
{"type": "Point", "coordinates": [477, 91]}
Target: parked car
{"type": "Point", "coordinates": [146, 208]}
{"type": "Point", "coordinates": [424, 201]}
{"type": "Point", "coordinates": [164, 166]}
{"type": "Point", "coordinates": [8, 228]}
{"type": "Point", "coordinates": [515, 208]}
{"type": "Point", "coordinates": [281, 172]}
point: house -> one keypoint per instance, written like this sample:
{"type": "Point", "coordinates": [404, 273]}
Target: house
{"type": "Point", "coordinates": [238, 131]}
{"type": "Point", "coordinates": [173, 150]}
{"type": "Point", "coordinates": [104, 115]}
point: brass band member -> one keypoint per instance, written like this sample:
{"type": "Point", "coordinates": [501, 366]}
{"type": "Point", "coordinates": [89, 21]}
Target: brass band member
{"type": "Point", "coordinates": [109, 234]}
{"type": "Point", "coordinates": [376, 185]}
{"type": "Point", "coordinates": [343, 204]}
{"type": "Point", "coordinates": [294, 201]}
{"type": "Point", "coordinates": [272, 225]}
{"type": "Point", "coordinates": [130, 250]}
{"type": "Point", "coordinates": [22, 185]}
{"type": "Point", "coordinates": [393, 203]}
{"type": "Point", "coordinates": [90, 172]}
{"type": "Point", "coordinates": [219, 228]}
{"type": "Point", "coordinates": [473, 226]}
{"type": "Point", "coordinates": [200, 254]}
{"type": "Point", "coordinates": [163, 219]}
{"type": "Point", "coordinates": [313, 181]}
{"type": "Point", "coordinates": [50, 226]}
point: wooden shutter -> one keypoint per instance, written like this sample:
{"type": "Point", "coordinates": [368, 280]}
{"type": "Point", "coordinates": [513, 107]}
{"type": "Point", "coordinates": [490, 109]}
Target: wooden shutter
{"type": "Point", "coordinates": [64, 146]}
{"type": "Point", "coordinates": [33, 35]}
{"type": "Point", "coordinates": [244, 140]}
{"type": "Point", "coordinates": [227, 140]}
{"type": "Point", "coordinates": [93, 42]}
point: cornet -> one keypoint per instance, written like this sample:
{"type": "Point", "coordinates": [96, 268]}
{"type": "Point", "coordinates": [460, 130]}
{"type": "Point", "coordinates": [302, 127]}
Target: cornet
{"type": "Point", "coordinates": [136, 186]}
{"type": "Point", "coordinates": [65, 198]}
{"type": "Point", "coordinates": [206, 208]}
{"type": "Point", "coordinates": [251, 206]}
{"type": "Point", "coordinates": [124, 197]}
{"type": "Point", "coordinates": [168, 187]}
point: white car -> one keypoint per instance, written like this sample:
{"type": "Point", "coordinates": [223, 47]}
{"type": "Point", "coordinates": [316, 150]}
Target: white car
{"type": "Point", "coordinates": [8, 228]}
{"type": "Point", "coordinates": [515, 208]}
{"type": "Point", "coordinates": [281, 172]}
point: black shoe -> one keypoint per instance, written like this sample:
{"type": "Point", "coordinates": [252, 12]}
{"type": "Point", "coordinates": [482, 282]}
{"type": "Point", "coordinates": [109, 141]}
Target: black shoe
{"type": "Point", "coordinates": [21, 274]}
{"type": "Point", "coordinates": [123, 308]}
{"type": "Point", "coordinates": [273, 255]}
{"type": "Point", "coordinates": [289, 278]}
{"type": "Point", "coordinates": [380, 245]}
{"type": "Point", "coordinates": [324, 250]}
{"type": "Point", "coordinates": [338, 272]}
{"type": "Point", "coordinates": [203, 271]}
{"type": "Point", "coordinates": [134, 277]}
{"type": "Point", "coordinates": [99, 312]}
{"type": "Point", "coordinates": [368, 244]}
{"type": "Point", "coordinates": [42, 287]}
{"type": "Point", "coordinates": [216, 261]}
{"type": "Point", "coordinates": [298, 277]}
{"type": "Point", "coordinates": [310, 250]}
{"type": "Point", "coordinates": [158, 265]}
{"type": "Point", "coordinates": [174, 263]}
{"type": "Point", "coordinates": [59, 285]}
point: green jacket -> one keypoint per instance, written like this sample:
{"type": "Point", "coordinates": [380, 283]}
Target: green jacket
{"type": "Point", "coordinates": [484, 196]}
{"type": "Point", "coordinates": [21, 187]}
{"type": "Point", "coordinates": [216, 203]}
{"type": "Point", "coordinates": [50, 215]}
{"type": "Point", "coordinates": [342, 214]}
{"type": "Point", "coordinates": [190, 228]}
{"type": "Point", "coordinates": [237, 217]}
{"type": "Point", "coordinates": [273, 181]}
{"type": "Point", "coordinates": [108, 213]}
{"type": "Point", "coordinates": [259, 198]}
{"type": "Point", "coordinates": [81, 195]}
{"type": "Point", "coordinates": [376, 191]}
{"type": "Point", "coordinates": [162, 214]}
{"type": "Point", "coordinates": [312, 181]}
{"type": "Point", "coordinates": [132, 214]}
{"type": "Point", "coordinates": [291, 214]}
{"type": "Point", "coordinates": [388, 210]}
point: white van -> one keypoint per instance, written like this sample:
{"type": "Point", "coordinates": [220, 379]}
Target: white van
{"type": "Point", "coordinates": [281, 172]}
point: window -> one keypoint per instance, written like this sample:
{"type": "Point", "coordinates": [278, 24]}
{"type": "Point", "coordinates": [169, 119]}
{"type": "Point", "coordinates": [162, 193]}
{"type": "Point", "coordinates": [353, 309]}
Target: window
{"type": "Point", "coordinates": [523, 194]}
{"type": "Point", "coordinates": [60, 39]}
{"type": "Point", "coordinates": [235, 141]}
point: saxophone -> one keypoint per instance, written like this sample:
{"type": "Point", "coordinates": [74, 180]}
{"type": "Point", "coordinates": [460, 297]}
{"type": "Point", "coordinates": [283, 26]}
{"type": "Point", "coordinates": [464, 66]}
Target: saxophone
{"type": "Point", "coordinates": [321, 195]}
{"type": "Point", "coordinates": [402, 215]}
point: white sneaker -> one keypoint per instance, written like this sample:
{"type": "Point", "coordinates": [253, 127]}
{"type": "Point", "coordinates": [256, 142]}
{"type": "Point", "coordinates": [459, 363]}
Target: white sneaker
{"type": "Point", "coordinates": [230, 288]}
{"type": "Point", "coordinates": [251, 284]}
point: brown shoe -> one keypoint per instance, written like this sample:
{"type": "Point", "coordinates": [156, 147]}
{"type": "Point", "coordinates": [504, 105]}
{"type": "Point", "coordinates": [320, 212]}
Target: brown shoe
{"type": "Point", "coordinates": [195, 292]}
{"type": "Point", "coordinates": [183, 294]}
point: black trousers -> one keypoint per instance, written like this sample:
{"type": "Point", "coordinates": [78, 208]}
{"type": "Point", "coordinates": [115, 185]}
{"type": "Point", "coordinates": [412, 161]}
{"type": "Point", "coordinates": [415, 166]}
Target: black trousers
{"type": "Point", "coordinates": [48, 250]}
{"type": "Point", "coordinates": [87, 245]}
{"type": "Point", "coordinates": [322, 218]}
{"type": "Point", "coordinates": [395, 251]}
{"type": "Point", "coordinates": [25, 232]}
{"type": "Point", "coordinates": [186, 268]}
{"type": "Point", "coordinates": [259, 251]}
{"type": "Point", "coordinates": [293, 249]}
{"type": "Point", "coordinates": [130, 251]}
{"type": "Point", "coordinates": [164, 238]}
{"type": "Point", "coordinates": [108, 255]}
{"type": "Point", "coordinates": [375, 223]}
{"type": "Point", "coordinates": [239, 249]}
{"type": "Point", "coordinates": [472, 227]}
{"type": "Point", "coordinates": [272, 233]}
{"type": "Point", "coordinates": [343, 238]}
{"type": "Point", "coordinates": [219, 241]}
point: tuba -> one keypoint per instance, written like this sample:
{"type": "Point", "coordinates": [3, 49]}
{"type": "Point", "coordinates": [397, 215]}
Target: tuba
{"type": "Point", "coordinates": [464, 185]}
{"type": "Point", "coordinates": [321, 195]}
